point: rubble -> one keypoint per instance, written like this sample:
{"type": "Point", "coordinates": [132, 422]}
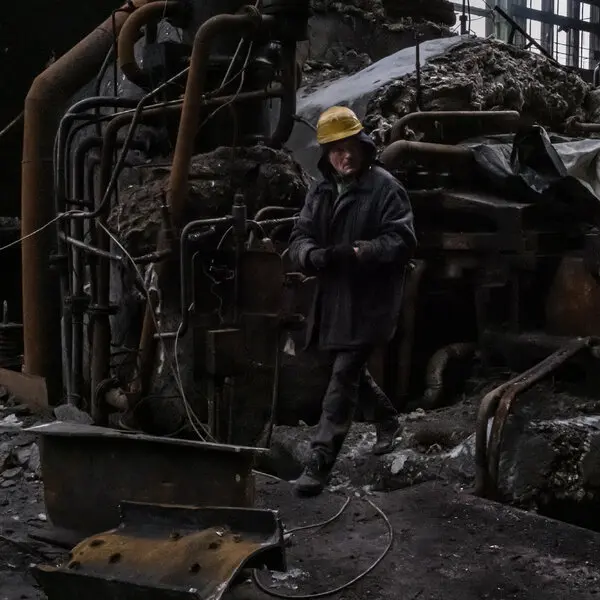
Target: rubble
{"type": "Point", "coordinates": [548, 465]}
{"type": "Point", "coordinates": [390, 13]}
{"type": "Point", "coordinates": [480, 74]}
{"type": "Point", "coordinates": [345, 37]}
{"type": "Point", "coordinates": [266, 176]}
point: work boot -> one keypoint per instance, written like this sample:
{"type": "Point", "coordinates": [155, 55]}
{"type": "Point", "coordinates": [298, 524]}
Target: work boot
{"type": "Point", "coordinates": [314, 478]}
{"type": "Point", "coordinates": [387, 432]}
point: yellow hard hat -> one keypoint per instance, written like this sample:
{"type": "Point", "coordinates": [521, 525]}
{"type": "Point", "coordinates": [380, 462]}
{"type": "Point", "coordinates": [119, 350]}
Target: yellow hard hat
{"type": "Point", "coordinates": [337, 123]}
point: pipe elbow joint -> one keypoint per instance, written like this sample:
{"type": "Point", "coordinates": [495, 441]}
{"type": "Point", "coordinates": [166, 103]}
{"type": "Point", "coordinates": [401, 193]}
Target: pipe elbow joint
{"type": "Point", "coordinates": [153, 12]}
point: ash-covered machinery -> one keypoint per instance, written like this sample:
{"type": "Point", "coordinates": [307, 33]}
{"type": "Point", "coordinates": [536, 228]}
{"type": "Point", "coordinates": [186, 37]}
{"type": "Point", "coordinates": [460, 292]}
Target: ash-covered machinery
{"type": "Point", "coordinates": [171, 309]}
{"type": "Point", "coordinates": [160, 302]}
{"type": "Point", "coordinates": [204, 75]}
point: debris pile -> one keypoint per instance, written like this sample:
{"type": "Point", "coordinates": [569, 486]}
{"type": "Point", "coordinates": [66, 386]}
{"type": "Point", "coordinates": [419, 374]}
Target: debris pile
{"type": "Point", "coordinates": [267, 177]}
{"type": "Point", "coordinates": [19, 454]}
{"type": "Point", "coordinates": [484, 75]}
{"type": "Point", "coordinates": [549, 461]}
{"type": "Point", "coordinates": [345, 37]}
{"type": "Point", "coordinates": [392, 13]}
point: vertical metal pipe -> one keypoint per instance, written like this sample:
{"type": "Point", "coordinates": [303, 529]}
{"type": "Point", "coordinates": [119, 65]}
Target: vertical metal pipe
{"type": "Point", "coordinates": [184, 148]}
{"type": "Point", "coordinates": [547, 30]}
{"type": "Point", "coordinates": [77, 285]}
{"type": "Point", "coordinates": [573, 11]}
{"type": "Point", "coordinates": [45, 101]}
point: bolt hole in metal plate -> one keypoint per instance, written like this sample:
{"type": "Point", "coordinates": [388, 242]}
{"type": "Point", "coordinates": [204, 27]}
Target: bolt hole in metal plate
{"type": "Point", "coordinates": [168, 553]}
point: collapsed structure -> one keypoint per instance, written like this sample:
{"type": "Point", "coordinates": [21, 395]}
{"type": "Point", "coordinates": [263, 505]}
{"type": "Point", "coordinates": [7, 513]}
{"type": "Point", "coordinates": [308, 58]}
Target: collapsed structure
{"type": "Point", "coordinates": [178, 317]}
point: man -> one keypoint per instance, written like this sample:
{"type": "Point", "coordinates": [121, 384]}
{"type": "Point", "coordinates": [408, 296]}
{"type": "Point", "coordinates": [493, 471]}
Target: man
{"type": "Point", "coordinates": [355, 233]}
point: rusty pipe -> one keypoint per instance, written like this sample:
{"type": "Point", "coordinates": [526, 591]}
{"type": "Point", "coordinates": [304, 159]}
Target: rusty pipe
{"type": "Point", "coordinates": [586, 127]}
{"type": "Point", "coordinates": [192, 103]}
{"type": "Point", "coordinates": [487, 408]}
{"type": "Point", "coordinates": [434, 377]}
{"type": "Point", "coordinates": [46, 99]}
{"type": "Point", "coordinates": [131, 32]}
{"type": "Point", "coordinates": [101, 325]}
{"type": "Point", "coordinates": [408, 319]}
{"type": "Point", "coordinates": [245, 23]}
{"type": "Point", "coordinates": [493, 117]}
{"type": "Point", "coordinates": [287, 109]}
{"type": "Point", "coordinates": [400, 151]}
{"type": "Point", "coordinates": [539, 372]}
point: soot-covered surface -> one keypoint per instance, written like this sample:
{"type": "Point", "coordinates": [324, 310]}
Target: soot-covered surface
{"type": "Point", "coordinates": [448, 546]}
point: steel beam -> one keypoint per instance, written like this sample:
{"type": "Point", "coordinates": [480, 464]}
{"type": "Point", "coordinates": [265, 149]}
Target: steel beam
{"type": "Point", "coordinates": [552, 19]}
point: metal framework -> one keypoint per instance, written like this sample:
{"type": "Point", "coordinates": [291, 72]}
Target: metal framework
{"type": "Point", "coordinates": [567, 30]}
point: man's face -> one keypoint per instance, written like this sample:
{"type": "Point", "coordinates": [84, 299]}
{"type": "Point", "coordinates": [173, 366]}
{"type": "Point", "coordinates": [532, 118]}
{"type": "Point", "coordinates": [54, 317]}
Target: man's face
{"type": "Point", "coordinates": [346, 156]}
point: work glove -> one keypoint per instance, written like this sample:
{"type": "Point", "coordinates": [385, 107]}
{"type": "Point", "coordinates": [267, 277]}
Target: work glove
{"type": "Point", "coordinates": [343, 255]}
{"type": "Point", "coordinates": [319, 258]}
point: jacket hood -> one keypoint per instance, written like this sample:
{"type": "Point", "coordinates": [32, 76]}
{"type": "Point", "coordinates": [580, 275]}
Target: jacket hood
{"type": "Point", "coordinates": [370, 155]}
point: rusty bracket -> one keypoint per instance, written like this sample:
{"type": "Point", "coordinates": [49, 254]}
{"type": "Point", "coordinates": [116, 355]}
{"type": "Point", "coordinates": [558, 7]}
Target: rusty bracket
{"type": "Point", "coordinates": [88, 471]}
{"type": "Point", "coordinates": [168, 553]}
{"type": "Point", "coordinates": [498, 404]}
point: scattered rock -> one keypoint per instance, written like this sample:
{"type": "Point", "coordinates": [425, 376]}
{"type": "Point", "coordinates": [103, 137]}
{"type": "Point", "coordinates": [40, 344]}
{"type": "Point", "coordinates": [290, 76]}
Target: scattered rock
{"type": "Point", "coordinates": [6, 483]}
{"type": "Point", "coordinates": [482, 74]}
{"type": "Point", "coordinates": [11, 421]}
{"type": "Point", "coordinates": [5, 453]}
{"type": "Point", "coordinates": [415, 415]}
{"type": "Point", "coordinates": [12, 473]}
{"type": "Point", "coordinates": [23, 455]}
{"type": "Point", "coordinates": [71, 414]}
{"type": "Point", "coordinates": [34, 464]}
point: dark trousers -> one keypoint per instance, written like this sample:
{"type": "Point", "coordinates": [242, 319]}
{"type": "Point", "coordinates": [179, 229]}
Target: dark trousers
{"type": "Point", "coordinates": [350, 384]}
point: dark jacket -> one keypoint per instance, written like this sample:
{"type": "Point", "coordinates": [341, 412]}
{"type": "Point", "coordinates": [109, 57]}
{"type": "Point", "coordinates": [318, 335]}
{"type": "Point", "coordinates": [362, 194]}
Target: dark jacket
{"type": "Point", "coordinates": [358, 306]}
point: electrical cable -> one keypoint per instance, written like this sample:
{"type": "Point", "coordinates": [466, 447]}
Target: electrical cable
{"type": "Point", "coordinates": [12, 124]}
{"type": "Point", "coordinates": [344, 586]}
{"type": "Point", "coordinates": [38, 230]}
{"type": "Point", "coordinates": [191, 415]}
{"type": "Point", "coordinates": [322, 523]}
{"type": "Point", "coordinates": [314, 525]}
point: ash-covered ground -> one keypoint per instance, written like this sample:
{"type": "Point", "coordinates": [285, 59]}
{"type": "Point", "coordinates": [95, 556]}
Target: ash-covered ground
{"type": "Point", "coordinates": [21, 502]}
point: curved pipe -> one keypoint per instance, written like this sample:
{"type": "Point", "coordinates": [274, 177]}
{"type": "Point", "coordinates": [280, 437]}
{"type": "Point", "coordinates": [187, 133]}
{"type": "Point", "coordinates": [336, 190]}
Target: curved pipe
{"type": "Point", "coordinates": [586, 127]}
{"type": "Point", "coordinates": [434, 377]}
{"type": "Point", "coordinates": [287, 110]}
{"type": "Point", "coordinates": [487, 408]}
{"type": "Point", "coordinates": [186, 136]}
{"type": "Point", "coordinates": [491, 117]}
{"type": "Point", "coordinates": [434, 154]}
{"type": "Point", "coordinates": [192, 104]}
{"type": "Point", "coordinates": [539, 372]}
{"type": "Point", "coordinates": [596, 79]}
{"type": "Point", "coordinates": [131, 32]}
{"type": "Point", "coordinates": [45, 100]}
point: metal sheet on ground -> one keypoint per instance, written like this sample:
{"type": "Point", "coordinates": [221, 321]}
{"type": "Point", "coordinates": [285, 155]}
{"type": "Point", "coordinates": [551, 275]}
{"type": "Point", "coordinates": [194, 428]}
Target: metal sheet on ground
{"type": "Point", "coordinates": [167, 552]}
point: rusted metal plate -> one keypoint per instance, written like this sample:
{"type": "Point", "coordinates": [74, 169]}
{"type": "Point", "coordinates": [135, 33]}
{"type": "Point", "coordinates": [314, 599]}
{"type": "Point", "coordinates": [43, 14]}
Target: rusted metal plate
{"type": "Point", "coordinates": [573, 300]}
{"type": "Point", "coordinates": [88, 471]}
{"type": "Point", "coordinates": [168, 552]}
{"type": "Point", "coordinates": [28, 389]}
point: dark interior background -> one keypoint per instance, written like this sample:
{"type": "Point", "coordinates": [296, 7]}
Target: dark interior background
{"type": "Point", "coordinates": [31, 33]}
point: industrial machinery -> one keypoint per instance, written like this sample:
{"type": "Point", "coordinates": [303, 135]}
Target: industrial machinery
{"type": "Point", "coordinates": [176, 321]}
{"type": "Point", "coordinates": [179, 328]}
{"type": "Point", "coordinates": [183, 334]}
